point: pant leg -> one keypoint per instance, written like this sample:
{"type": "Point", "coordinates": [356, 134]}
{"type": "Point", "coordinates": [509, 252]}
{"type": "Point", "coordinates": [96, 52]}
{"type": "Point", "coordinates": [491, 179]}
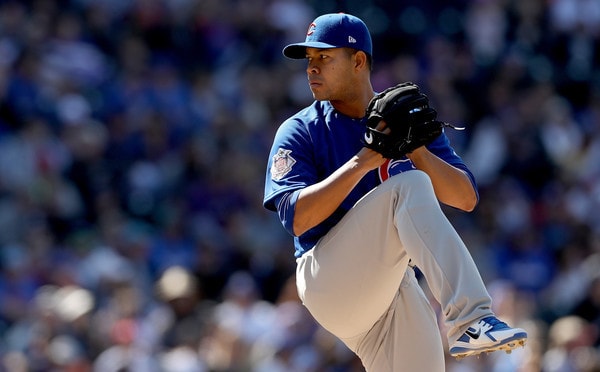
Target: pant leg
{"type": "Point", "coordinates": [396, 335]}
{"type": "Point", "coordinates": [437, 250]}
{"type": "Point", "coordinates": [351, 277]}
{"type": "Point", "coordinates": [406, 338]}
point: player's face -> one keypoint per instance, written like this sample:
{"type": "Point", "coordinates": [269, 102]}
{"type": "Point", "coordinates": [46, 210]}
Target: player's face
{"type": "Point", "coordinates": [330, 73]}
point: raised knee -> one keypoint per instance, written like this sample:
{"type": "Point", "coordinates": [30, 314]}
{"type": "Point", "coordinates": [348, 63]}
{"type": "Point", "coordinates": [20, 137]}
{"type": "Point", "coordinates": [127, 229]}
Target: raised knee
{"type": "Point", "coordinates": [414, 181]}
{"type": "Point", "coordinates": [415, 177]}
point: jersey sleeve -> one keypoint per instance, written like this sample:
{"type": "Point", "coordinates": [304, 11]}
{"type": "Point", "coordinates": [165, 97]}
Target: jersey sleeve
{"type": "Point", "coordinates": [290, 168]}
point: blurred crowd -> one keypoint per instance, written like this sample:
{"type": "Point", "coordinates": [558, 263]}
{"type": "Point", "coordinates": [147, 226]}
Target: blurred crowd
{"type": "Point", "coordinates": [133, 145]}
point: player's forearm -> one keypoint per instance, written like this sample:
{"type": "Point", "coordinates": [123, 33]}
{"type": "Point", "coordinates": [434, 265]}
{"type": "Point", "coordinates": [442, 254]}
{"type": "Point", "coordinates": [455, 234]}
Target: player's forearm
{"type": "Point", "coordinates": [452, 186]}
{"type": "Point", "coordinates": [317, 202]}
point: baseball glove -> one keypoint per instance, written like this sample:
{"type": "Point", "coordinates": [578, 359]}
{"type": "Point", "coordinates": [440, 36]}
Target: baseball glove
{"type": "Point", "coordinates": [411, 121]}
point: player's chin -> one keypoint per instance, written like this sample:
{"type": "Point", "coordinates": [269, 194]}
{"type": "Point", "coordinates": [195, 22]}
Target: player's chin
{"type": "Point", "coordinates": [319, 96]}
{"type": "Point", "coordinates": [318, 93]}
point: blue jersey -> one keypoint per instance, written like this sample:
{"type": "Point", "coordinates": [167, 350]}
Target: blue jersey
{"type": "Point", "coordinates": [310, 146]}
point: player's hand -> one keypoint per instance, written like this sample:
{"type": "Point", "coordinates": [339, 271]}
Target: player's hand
{"type": "Point", "coordinates": [382, 127]}
{"type": "Point", "coordinates": [371, 159]}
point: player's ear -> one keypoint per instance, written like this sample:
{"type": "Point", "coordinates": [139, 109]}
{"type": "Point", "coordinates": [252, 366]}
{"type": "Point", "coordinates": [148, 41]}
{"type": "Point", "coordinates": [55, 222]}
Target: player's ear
{"type": "Point", "coordinates": [360, 59]}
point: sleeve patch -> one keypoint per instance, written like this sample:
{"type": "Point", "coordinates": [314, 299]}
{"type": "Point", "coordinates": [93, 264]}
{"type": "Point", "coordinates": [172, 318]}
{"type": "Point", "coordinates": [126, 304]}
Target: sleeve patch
{"type": "Point", "coordinates": [282, 164]}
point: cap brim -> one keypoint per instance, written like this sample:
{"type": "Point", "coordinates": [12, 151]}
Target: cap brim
{"type": "Point", "coordinates": [298, 50]}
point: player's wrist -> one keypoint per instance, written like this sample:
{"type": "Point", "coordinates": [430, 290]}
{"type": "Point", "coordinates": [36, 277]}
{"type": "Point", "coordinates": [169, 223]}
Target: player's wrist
{"type": "Point", "coordinates": [419, 152]}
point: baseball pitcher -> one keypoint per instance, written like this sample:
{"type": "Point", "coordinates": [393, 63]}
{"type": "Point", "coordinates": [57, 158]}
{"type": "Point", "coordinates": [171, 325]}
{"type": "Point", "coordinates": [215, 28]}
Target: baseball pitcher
{"type": "Point", "coordinates": [357, 179]}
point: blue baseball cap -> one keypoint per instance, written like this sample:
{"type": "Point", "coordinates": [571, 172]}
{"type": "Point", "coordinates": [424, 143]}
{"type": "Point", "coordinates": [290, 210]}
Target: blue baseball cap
{"type": "Point", "coordinates": [335, 30]}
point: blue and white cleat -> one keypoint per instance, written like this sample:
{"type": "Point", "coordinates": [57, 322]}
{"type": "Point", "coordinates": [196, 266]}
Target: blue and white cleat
{"type": "Point", "coordinates": [487, 335]}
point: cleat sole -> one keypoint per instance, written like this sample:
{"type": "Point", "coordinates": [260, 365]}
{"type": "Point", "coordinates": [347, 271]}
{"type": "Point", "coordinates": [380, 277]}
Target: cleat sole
{"type": "Point", "coordinates": [507, 348]}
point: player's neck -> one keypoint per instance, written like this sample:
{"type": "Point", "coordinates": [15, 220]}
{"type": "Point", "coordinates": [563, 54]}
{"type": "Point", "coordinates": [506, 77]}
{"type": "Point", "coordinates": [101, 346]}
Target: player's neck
{"type": "Point", "coordinates": [356, 106]}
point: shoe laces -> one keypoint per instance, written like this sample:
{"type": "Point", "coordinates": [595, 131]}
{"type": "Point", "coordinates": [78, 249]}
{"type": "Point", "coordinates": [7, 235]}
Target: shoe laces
{"type": "Point", "coordinates": [495, 322]}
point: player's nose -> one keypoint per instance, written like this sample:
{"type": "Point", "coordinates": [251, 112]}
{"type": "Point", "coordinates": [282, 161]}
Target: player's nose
{"type": "Point", "coordinates": [311, 68]}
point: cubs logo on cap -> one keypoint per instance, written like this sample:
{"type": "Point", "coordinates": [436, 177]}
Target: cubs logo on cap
{"type": "Point", "coordinates": [335, 30]}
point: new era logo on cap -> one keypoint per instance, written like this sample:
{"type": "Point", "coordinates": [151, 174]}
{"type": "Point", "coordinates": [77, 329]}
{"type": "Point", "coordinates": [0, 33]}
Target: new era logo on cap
{"type": "Point", "coordinates": [335, 30]}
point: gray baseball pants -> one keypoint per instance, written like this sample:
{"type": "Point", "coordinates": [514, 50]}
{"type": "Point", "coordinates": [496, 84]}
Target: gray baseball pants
{"type": "Point", "coordinates": [357, 284]}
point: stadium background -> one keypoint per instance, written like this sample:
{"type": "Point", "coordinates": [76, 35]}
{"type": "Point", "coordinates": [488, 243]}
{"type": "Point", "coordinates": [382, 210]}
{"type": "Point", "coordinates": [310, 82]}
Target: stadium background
{"type": "Point", "coordinates": [133, 141]}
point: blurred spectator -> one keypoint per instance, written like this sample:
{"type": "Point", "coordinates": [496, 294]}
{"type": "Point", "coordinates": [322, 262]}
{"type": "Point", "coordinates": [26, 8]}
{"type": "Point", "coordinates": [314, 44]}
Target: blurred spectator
{"type": "Point", "coordinates": [571, 346]}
